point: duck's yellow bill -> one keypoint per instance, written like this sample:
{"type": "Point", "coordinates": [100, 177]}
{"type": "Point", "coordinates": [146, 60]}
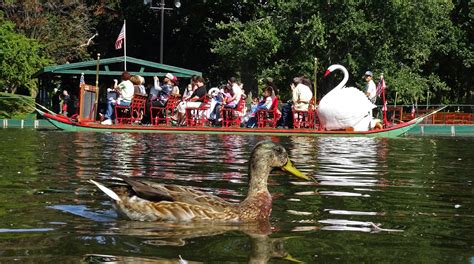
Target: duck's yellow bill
{"type": "Point", "coordinates": [293, 170]}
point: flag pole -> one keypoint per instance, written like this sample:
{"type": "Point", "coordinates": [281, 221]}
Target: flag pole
{"type": "Point", "coordinates": [96, 101]}
{"type": "Point", "coordinates": [428, 100]}
{"type": "Point", "coordinates": [384, 101]}
{"type": "Point", "coordinates": [315, 76]}
{"type": "Point", "coordinates": [395, 108]}
{"type": "Point", "coordinates": [97, 72]}
{"type": "Point", "coordinates": [125, 44]}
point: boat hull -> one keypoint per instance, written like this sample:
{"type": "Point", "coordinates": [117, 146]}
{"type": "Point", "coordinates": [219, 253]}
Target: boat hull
{"type": "Point", "coordinates": [66, 125]}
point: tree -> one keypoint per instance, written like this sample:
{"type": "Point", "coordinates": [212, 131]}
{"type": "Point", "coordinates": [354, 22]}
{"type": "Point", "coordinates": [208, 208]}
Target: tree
{"type": "Point", "coordinates": [397, 38]}
{"type": "Point", "coordinates": [248, 46]}
{"type": "Point", "coordinates": [63, 27]}
{"type": "Point", "coordinates": [20, 58]}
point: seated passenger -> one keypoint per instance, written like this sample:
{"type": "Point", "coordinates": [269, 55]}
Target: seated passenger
{"type": "Point", "coordinates": [188, 92]}
{"type": "Point", "coordinates": [160, 94]}
{"type": "Point", "coordinates": [301, 96]}
{"type": "Point", "coordinates": [194, 101]}
{"type": "Point", "coordinates": [125, 92]}
{"type": "Point", "coordinates": [216, 99]}
{"type": "Point", "coordinates": [264, 104]}
{"type": "Point", "coordinates": [220, 98]}
{"type": "Point", "coordinates": [174, 84]}
{"type": "Point", "coordinates": [236, 92]}
{"type": "Point", "coordinates": [141, 86]}
{"type": "Point", "coordinates": [138, 84]}
{"type": "Point", "coordinates": [267, 101]}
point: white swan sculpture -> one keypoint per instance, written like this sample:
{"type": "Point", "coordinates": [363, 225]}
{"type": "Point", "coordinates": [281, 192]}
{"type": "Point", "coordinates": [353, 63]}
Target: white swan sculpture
{"type": "Point", "coordinates": [345, 107]}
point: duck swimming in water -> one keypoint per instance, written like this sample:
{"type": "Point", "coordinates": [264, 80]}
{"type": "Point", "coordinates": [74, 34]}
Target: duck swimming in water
{"type": "Point", "coordinates": [147, 201]}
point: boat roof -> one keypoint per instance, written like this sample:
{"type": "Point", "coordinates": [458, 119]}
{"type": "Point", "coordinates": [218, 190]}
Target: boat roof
{"type": "Point", "coordinates": [114, 66]}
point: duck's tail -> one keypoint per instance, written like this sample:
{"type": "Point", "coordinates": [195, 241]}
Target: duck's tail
{"type": "Point", "coordinates": [107, 191]}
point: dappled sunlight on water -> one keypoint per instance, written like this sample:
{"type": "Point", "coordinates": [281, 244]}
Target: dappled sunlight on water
{"type": "Point", "coordinates": [372, 197]}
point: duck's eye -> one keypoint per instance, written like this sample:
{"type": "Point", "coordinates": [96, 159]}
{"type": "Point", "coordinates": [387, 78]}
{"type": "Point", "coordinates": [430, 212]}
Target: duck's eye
{"type": "Point", "coordinates": [280, 151]}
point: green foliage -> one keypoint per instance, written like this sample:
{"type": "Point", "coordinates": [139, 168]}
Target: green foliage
{"type": "Point", "coordinates": [20, 58]}
{"type": "Point", "coordinates": [397, 38]}
{"type": "Point", "coordinates": [413, 87]}
{"type": "Point", "coordinates": [255, 41]}
{"type": "Point", "coordinates": [15, 106]}
{"type": "Point", "coordinates": [420, 46]}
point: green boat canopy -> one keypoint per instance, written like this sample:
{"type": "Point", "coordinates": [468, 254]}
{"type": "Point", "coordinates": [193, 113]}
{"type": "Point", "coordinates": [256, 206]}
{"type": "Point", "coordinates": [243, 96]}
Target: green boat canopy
{"type": "Point", "coordinates": [115, 67]}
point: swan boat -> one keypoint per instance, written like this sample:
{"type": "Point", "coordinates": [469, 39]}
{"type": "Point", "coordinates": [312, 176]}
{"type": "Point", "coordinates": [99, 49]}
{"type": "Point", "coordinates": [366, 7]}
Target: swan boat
{"type": "Point", "coordinates": [342, 112]}
{"type": "Point", "coordinates": [67, 124]}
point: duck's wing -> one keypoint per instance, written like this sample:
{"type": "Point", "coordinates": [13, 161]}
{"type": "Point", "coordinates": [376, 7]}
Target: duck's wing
{"type": "Point", "coordinates": [147, 192]}
{"type": "Point", "coordinates": [174, 193]}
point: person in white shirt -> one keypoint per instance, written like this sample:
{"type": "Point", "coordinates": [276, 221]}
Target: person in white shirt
{"type": "Point", "coordinates": [236, 93]}
{"type": "Point", "coordinates": [125, 90]}
{"type": "Point", "coordinates": [302, 94]}
{"type": "Point", "coordinates": [301, 97]}
{"type": "Point", "coordinates": [370, 89]}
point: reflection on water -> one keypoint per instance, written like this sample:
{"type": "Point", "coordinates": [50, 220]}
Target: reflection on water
{"type": "Point", "coordinates": [376, 200]}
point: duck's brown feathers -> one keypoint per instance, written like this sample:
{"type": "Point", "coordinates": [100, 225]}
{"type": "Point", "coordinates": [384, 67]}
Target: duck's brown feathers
{"type": "Point", "coordinates": [148, 201]}
{"type": "Point", "coordinates": [175, 193]}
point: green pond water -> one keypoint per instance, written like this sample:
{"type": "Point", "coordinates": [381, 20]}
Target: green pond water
{"type": "Point", "coordinates": [404, 200]}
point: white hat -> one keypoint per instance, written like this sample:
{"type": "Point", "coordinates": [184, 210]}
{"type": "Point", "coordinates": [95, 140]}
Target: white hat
{"type": "Point", "coordinates": [369, 73]}
{"type": "Point", "coordinates": [169, 76]}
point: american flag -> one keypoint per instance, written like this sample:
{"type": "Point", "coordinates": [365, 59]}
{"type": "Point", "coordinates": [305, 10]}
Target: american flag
{"type": "Point", "coordinates": [120, 38]}
{"type": "Point", "coordinates": [380, 86]}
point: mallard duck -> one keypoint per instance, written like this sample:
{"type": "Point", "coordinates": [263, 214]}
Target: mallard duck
{"type": "Point", "coordinates": [147, 201]}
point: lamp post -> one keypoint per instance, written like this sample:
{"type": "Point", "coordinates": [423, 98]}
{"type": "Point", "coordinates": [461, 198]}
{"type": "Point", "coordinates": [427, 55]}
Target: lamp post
{"type": "Point", "coordinates": [162, 8]}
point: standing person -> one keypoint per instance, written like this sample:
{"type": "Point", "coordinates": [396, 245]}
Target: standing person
{"type": "Point", "coordinates": [370, 88]}
{"type": "Point", "coordinates": [56, 101]}
{"type": "Point", "coordinates": [66, 102]}
{"type": "Point", "coordinates": [125, 90]}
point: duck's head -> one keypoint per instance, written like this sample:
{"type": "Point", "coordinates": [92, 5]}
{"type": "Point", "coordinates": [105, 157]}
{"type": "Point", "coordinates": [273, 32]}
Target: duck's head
{"type": "Point", "coordinates": [269, 155]}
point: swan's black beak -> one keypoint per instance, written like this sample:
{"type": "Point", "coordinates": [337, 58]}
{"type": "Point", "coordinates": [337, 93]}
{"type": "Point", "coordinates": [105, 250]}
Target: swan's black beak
{"type": "Point", "coordinates": [327, 73]}
{"type": "Point", "coordinates": [288, 167]}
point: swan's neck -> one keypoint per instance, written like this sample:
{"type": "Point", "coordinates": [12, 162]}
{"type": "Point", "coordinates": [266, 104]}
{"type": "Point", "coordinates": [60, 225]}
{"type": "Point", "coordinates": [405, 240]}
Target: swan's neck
{"type": "Point", "coordinates": [344, 80]}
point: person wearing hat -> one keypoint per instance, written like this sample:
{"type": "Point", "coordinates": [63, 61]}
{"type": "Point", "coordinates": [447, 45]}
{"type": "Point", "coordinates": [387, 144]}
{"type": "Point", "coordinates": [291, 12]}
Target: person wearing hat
{"type": "Point", "coordinates": [370, 89]}
{"type": "Point", "coordinates": [173, 81]}
{"type": "Point", "coordinates": [160, 94]}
